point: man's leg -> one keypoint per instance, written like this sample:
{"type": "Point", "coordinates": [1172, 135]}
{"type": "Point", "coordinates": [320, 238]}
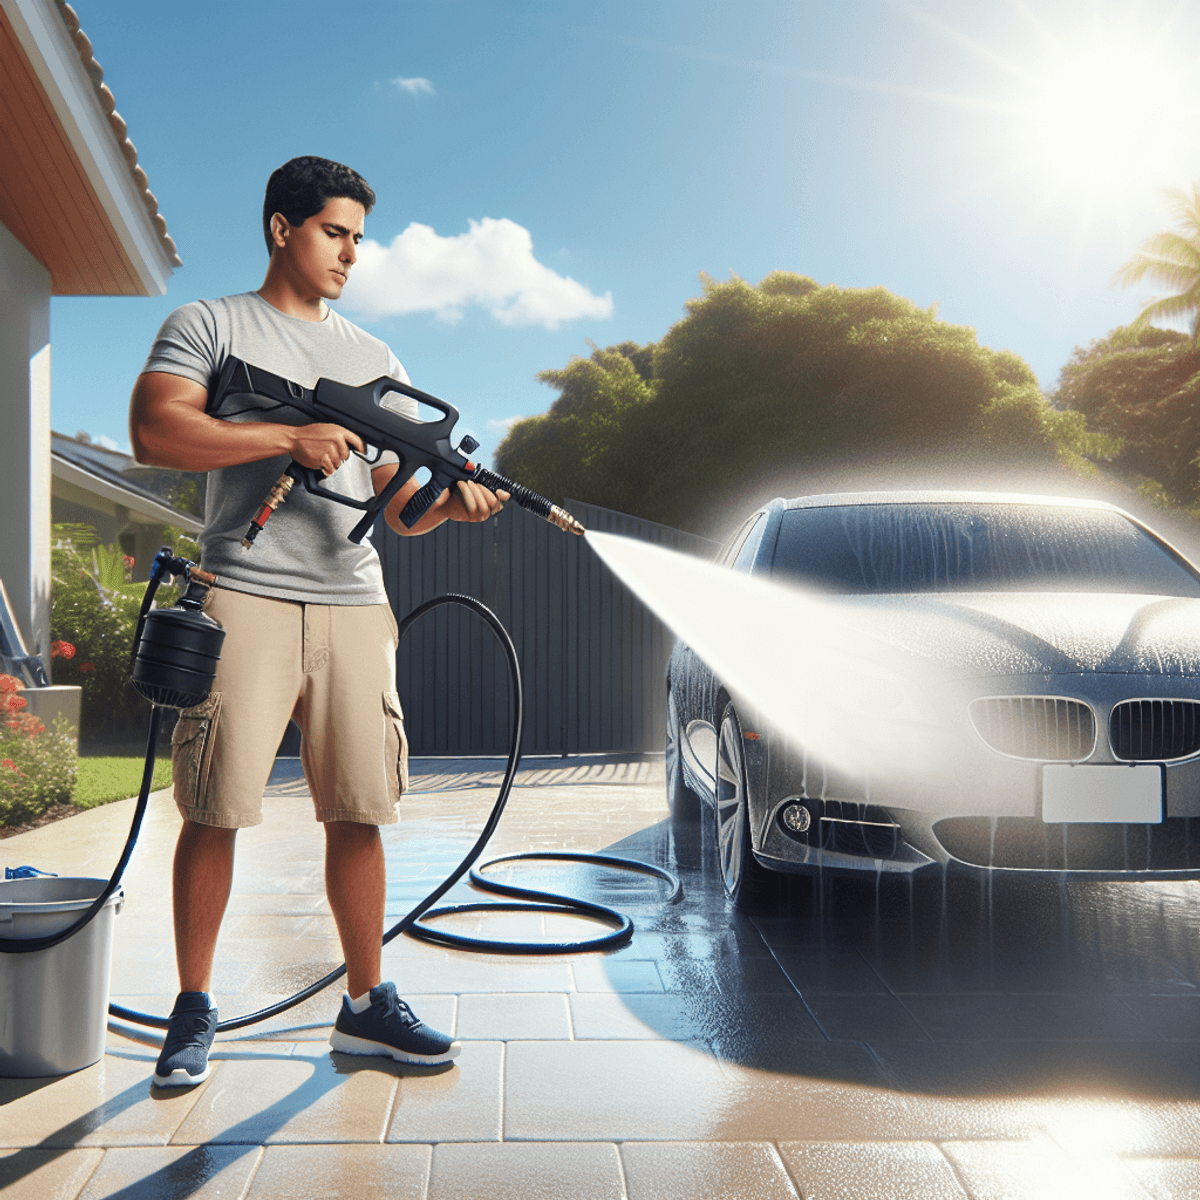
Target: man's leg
{"type": "Point", "coordinates": [202, 877]}
{"type": "Point", "coordinates": [203, 873]}
{"type": "Point", "coordinates": [356, 884]}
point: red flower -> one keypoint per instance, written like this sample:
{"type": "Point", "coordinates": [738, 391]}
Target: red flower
{"type": "Point", "coordinates": [84, 668]}
{"type": "Point", "coordinates": [16, 703]}
{"type": "Point", "coordinates": [62, 650]}
{"type": "Point", "coordinates": [10, 683]}
{"type": "Point", "coordinates": [8, 762]}
{"type": "Point", "coordinates": [129, 560]}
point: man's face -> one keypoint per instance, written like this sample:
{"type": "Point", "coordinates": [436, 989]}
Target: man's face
{"type": "Point", "coordinates": [318, 255]}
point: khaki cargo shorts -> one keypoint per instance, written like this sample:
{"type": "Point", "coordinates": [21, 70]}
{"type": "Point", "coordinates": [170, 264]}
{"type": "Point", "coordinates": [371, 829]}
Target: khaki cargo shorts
{"type": "Point", "coordinates": [328, 667]}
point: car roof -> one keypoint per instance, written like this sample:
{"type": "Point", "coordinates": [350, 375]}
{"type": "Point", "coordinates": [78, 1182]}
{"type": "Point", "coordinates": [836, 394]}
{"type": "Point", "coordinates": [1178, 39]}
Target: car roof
{"type": "Point", "coordinates": [845, 499]}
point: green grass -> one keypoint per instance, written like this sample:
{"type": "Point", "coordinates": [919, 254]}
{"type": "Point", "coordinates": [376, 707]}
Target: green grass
{"type": "Point", "coordinates": [102, 780]}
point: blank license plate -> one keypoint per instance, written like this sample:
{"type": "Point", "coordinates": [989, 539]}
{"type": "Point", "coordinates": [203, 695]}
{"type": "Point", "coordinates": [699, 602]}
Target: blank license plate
{"type": "Point", "coordinates": [1103, 794]}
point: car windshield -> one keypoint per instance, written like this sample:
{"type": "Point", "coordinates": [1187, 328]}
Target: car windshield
{"type": "Point", "coordinates": [971, 547]}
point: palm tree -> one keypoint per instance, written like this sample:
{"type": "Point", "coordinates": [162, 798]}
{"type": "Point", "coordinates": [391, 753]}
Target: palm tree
{"type": "Point", "coordinates": [1172, 259]}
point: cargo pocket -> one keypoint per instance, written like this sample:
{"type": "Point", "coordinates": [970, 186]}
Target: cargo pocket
{"type": "Point", "coordinates": [192, 750]}
{"type": "Point", "coordinates": [396, 746]}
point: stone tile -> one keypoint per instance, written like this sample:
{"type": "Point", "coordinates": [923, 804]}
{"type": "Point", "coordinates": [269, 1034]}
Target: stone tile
{"type": "Point", "coordinates": [296, 904]}
{"type": "Point", "coordinates": [513, 1171]}
{"type": "Point", "coordinates": [461, 1103]}
{"type": "Point", "coordinates": [173, 1173]}
{"type": "Point", "coordinates": [748, 1029]}
{"type": "Point", "coordinates": [613, 974]}
{"type": "Point", "coordinates": [288, 978]}
{"type": "Point", "coordinates": [871, 1171]}
{"type": "Point", "coordinates": [812, 971]}
{"type": "Point", "coordinates": [1167, 1178]}
{"type": "Point", "coordinates": [823, 1090]}
{"type": "Point", "coordinates": [1155, 1070]}
{"type": "Point", "coordinates": [954, 1090]}
{"type": "Point", "coordinates": [1037, 1167]}
{"type": "Point", "coordinates": [276, 952]}
{"type": "Point", "coordinates": [716, 1171]}
{"type": "Point", "coordinates": [36, 1173]}
{"type": "Point", "coordinates": [346, 1172]}
{"type": "Point", "coordinates": [631, 1016]}
{"type": "Point", "coordinates": [1116, 1124]}
{"type": "Point", "coordinates": [1172, 1018]}
{"type": "Point", "coordinates": [312, 1095]}
{"type": "Point", "coordinates": [507, 1016]}
{"type": "Point", "coordinates": [107, 1104]}
{"type": "Point", "coordinates": [275, 925]}
{"type": "Point", "coordinates": [864, 1018]}
{"type": "Point", "coordinates": [488, 973]}
{"type": "Point", "coordinates": [1026, 1018]}
{"type": "Point", "coordinates": [612, 1091]}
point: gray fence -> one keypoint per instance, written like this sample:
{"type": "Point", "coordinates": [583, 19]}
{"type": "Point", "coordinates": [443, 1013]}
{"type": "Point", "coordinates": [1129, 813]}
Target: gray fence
{"type": "Point", "coordinates": [592, 657]}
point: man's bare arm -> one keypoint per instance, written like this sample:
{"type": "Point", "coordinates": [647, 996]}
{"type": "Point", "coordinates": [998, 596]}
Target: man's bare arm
{"type": "Point", "coordinates": [168, 427]}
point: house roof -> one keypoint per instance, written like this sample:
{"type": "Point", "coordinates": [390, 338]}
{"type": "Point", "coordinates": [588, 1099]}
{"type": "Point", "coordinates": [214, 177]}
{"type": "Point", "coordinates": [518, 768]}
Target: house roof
{"type": "Point", "coordinates": [101, 472]}
{"type": "Point", "coordinates": [71, 189]}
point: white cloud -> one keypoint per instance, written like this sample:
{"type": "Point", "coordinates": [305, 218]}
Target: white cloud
{"type": "Point", "coordinates": [414, 87]}
{"type": "Point", "coordinates": [501, 425]}
{"type": "Point", "coordinates": [102, 439]}
{"type": "Point", "coordinates": [491, 265]}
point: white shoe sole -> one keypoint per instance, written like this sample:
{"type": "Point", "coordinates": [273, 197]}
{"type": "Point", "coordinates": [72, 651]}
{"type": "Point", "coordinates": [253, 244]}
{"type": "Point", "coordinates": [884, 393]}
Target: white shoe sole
{"type": "Point", "coordinates": [346, 1043]}
{"type": "Point", "coordinates": [180, 1078]}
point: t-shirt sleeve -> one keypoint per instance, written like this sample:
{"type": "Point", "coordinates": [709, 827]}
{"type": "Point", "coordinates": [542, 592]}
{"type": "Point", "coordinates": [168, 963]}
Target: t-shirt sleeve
{"type": "Point", "coordinates": [405, 405]}
{"type": "Point", "coordinates": [188, 344]}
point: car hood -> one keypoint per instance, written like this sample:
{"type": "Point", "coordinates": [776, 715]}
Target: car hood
{"type": "Point", "coordinates": [1033, 633]}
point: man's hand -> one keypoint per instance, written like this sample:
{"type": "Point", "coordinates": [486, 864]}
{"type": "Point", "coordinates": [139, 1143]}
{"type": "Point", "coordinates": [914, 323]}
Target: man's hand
{"type": "Point", "coordinates": [468, 501]}
{"type": "Point", "coordinates": [472, 502]}
{"type": "Point", "coordinates": [324, 447]}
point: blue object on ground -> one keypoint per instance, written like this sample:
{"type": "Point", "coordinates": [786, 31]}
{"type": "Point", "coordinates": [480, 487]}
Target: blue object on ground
{"type": "Point", "coordinates": [26, 873]}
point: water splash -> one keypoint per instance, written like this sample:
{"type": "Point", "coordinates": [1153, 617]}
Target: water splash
{"type": "Point", "coordinates": [811, 669]}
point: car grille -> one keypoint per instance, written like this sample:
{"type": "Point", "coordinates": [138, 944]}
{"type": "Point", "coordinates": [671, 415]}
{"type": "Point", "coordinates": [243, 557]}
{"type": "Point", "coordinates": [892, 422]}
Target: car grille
{"type": "Point", "coordinates": [1045, 728]}
{"type": "Point", "coordinates": [1154, 730]}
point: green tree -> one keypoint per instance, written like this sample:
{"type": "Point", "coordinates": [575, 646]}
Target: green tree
{"type": "Point", "coordinates": [1142, 385]}
{"type": "Point", "coordinates": [764, 381]}
{"type": "Point", "coordinates": [1172, 259]}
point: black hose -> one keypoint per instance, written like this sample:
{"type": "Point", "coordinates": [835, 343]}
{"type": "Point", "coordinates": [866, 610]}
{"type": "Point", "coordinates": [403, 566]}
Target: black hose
{"type": "Point", "coordinates": [409, 922]}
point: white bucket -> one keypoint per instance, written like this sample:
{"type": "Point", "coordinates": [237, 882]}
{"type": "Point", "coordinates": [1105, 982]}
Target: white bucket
{"type": "Point", "coordinates": [54, 1002]}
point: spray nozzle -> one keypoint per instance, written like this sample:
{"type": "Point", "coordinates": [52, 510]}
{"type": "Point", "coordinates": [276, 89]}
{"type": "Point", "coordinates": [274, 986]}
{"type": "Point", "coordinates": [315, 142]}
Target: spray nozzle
{"type": "Point", "coordinates": [167, 564]}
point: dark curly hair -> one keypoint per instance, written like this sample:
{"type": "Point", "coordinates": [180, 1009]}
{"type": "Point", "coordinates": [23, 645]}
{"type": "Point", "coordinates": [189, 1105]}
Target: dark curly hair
{"type": "Point", "coordinates": [303, 186]}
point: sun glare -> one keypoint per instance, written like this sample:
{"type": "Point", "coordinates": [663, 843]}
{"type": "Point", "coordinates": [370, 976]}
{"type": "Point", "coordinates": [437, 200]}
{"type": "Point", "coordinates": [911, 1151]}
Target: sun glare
{"type": "Point", "coordinates": [1114, 111]}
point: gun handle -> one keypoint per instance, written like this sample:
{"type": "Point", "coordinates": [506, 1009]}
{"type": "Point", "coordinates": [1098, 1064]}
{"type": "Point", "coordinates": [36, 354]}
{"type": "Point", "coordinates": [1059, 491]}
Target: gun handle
{"type": "Point", "coordinates": [376, 506]}
{"type": "Point", "coordinates": [421, 500]}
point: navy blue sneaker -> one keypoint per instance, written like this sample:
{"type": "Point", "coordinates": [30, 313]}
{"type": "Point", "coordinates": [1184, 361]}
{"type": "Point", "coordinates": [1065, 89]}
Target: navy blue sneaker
{"type": "Point", "coordinates": [390, 1027]}
{"type": "Point", "coordinates": [184, 1058]}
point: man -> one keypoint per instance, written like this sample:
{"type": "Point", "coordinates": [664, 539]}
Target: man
{"type": "Point", "coordinates": [309, 634]}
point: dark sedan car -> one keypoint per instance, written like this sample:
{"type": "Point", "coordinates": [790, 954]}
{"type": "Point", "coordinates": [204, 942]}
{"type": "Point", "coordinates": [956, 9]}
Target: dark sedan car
{"type": "Point", "coordinates": [1037, 707]}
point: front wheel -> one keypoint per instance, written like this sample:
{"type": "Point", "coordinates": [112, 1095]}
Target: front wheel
{"type": "Point", "coordinates": [747, 883]}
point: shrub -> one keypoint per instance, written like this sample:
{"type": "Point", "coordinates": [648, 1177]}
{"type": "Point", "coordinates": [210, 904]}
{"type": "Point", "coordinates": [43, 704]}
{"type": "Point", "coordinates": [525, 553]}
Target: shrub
{"type": "Point", "coordinates": [37, 765]}
{"type": "Point", "coordinates": [93, 616]}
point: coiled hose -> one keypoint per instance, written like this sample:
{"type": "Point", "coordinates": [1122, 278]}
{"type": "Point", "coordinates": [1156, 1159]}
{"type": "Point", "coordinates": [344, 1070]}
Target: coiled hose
{"type": "Point", "coordinates": [413, 923]}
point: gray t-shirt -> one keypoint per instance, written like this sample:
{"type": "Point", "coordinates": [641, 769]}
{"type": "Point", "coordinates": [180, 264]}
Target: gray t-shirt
{"type": "Point", "coordinates": [304, 552]}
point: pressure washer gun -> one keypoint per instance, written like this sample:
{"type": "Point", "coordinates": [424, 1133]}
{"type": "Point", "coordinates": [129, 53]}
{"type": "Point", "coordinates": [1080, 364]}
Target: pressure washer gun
{"type": "Point", "coordinates": [362, 411]}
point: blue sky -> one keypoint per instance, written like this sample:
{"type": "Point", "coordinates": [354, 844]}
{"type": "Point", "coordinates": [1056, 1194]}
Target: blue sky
{"type": "Point", "coordinates": [552, 172]}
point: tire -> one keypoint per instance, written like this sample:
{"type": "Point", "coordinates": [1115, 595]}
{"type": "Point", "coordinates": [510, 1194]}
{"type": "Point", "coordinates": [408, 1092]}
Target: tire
{"type": "Point", "coordinates": [747, 883]}
{"type": "Point", "coordinates": [681, 800]}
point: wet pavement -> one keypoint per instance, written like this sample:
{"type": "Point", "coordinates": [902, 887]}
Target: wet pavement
{"type": "Point", "coordinates": [1000, 1038]}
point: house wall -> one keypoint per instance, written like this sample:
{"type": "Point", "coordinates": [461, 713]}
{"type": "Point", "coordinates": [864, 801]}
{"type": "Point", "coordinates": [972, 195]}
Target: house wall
{"type": "Point", "coordinates": [25, 439]}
